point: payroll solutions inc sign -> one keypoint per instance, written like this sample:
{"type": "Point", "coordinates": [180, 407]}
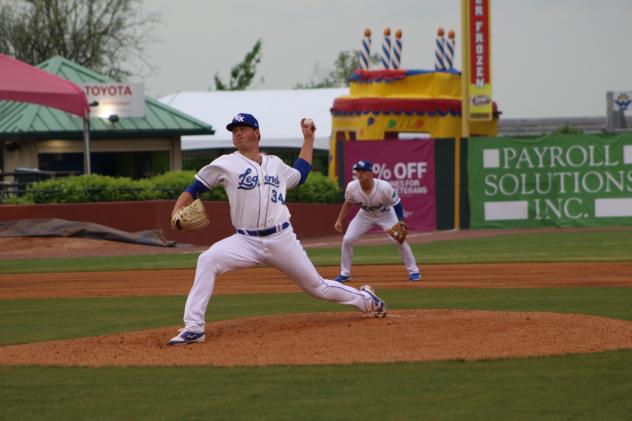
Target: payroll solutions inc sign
{"type": "Point", "coordinates": [563, 180]}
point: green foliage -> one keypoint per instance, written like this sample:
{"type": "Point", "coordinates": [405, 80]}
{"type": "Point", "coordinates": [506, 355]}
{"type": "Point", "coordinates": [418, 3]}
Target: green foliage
{"type": "Point", "coordinates": [169, 185]}
{"type": "Point", "coordinates": [241, 74]}
{"type": "Point", "coordinates": [568, 129]}
{"type": "Point", "coordinates": [344, 66]}
{"type": "Point", "coordinates": [84, 188]}
{"type": "Point", "coordinates": [99, 188]}
{"type": "Point", "coordinates": [98, 34]}
{"type": "Point", "coordinates": [318, 188]}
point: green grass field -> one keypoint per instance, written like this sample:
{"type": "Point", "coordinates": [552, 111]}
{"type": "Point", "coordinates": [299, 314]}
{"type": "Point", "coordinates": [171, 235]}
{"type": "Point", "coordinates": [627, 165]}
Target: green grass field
{"type": "Point", "coordinates": [561, 246]}
{"type": "Point", "coordinates": [584, 386]}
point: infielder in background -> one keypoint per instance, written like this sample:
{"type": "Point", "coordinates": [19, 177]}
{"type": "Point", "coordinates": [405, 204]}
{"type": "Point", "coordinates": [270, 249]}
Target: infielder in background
{"type": "Point", "coordinates": [256, 187]}
{"type": "Point", "coordinates": [379, 205]}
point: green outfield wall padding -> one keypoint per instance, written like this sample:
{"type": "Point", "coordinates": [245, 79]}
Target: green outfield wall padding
{"type": "Point", "coordinates": [444, 179]}
{"type": "Point", "coordinates": [557, 180]}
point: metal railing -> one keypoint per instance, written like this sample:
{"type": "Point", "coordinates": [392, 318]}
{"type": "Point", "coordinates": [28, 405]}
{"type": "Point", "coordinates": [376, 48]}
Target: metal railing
{"type": "Point", "coordinates": [14, 184]}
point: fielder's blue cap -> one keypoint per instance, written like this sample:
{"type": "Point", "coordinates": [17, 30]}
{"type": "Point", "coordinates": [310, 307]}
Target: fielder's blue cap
{"type": "Point", "coordinates": [363, 166]}
{"type": "Point", "coordinates": [243, 119]}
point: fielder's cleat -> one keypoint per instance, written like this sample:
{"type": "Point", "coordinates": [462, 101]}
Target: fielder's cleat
{"type": "Point", "coordinates": [379, 309]}
{"type": "Point", "coordinates": [415, 276]}
{"type": "Point", "coordinates": [342, 278]}
{"type": "Point", "coordinates": [186, 337]}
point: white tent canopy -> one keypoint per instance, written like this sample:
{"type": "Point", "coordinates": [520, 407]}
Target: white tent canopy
{"type": "Point", "coordinates": [279, 113]}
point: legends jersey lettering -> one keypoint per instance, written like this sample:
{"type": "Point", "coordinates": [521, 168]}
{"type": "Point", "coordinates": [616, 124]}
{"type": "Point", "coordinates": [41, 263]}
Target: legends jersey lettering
{"type": "Point", "coordinates": [272, 180]}
{"type": "Point", "coordinates": [379, 207]}
{"type": "Point", "coordinates": [247, 181]}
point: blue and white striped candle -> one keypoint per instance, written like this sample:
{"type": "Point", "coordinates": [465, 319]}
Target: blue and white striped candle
{"type": "Point", "coordinates": [386, 49]}
{"type": "Point", "coordinates": [365, 53]}
{"type": "Point", "coordinates": [396, 55]}
{"type": "Point", "coordinates": [450, 45]}
{"type": "Point", "coordinates": [440, 51]}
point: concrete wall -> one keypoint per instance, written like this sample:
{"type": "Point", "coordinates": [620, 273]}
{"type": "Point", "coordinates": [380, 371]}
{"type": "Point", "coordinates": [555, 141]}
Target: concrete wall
{"type": "Point", "coordinates": [308, 220]}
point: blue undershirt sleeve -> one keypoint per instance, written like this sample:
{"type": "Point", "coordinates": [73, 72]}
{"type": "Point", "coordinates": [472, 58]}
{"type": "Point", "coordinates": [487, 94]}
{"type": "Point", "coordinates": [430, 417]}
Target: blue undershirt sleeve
{"type": "Point", "coordinates": [399, 211]}
{"type": "Point", "coordinates": [304, 168]}
{"type": "Point", "coordinates": [196, 188]}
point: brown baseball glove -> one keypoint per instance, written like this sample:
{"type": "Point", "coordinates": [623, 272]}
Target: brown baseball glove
{"type": "Point", "coordinates": [399, 231]}
{"type": "Point", "coordinates": [190, 217]}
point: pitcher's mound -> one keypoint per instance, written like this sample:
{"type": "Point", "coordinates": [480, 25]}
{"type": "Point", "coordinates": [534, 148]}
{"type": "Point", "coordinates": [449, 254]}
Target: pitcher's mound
{"type": "Point", "coordinates": [343, 338]}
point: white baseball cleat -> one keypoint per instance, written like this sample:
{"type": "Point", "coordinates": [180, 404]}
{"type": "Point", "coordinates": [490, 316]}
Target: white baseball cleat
{"type": "Point", "coordinates": [379, 306]}
{"type": "Point", "coordinates": [186, 337]}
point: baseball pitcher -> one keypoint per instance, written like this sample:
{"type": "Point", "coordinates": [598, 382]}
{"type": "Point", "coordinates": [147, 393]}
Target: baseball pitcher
{"type": "Point", "coordinates": [256, 186]}
{"type": "Point", "coordinates": [379, 205]}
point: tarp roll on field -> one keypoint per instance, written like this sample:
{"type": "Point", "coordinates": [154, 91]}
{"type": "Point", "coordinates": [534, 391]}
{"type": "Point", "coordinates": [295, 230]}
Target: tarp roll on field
{"type": "Point", "coordinates": [557, 180]}
{"type": "Point", "coordinates": [56, 227]}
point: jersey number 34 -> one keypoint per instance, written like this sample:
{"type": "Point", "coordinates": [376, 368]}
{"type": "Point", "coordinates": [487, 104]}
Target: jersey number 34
{"type": "Point", "coordinates": [277, 197]}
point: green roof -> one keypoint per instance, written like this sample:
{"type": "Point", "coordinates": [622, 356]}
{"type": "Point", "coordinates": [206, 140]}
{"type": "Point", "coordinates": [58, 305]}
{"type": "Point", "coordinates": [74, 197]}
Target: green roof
{"type": "Point", "coordinates": [32, 121]}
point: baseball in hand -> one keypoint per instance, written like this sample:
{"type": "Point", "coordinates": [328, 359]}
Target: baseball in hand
{"type": "Point", "coordinates": [308, 122]}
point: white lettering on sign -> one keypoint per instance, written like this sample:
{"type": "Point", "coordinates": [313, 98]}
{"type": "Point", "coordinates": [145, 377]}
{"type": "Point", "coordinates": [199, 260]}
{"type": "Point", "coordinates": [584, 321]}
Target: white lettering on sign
{"type": "Point", "coordinates": [479, 48]}
{"type": "Point", "coordinates": [555, 157]}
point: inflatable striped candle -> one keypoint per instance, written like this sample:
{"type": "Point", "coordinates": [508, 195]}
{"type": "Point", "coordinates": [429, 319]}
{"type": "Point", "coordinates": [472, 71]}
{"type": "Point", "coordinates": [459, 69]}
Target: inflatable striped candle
{"type": "Point", "coordinates": [386, 49]}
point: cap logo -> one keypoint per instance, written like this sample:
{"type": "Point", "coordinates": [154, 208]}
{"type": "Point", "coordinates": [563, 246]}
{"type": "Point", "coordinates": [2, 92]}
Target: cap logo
{"type": "Point", "coordinates": [239, 118]}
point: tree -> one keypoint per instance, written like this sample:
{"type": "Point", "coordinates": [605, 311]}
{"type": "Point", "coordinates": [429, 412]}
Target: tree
{"type": "Point", "coordinates": [344, 66]}
{"type": "Point", "coordinates": [241, 74]}
{"type": "Point", "coordinates": [101, 35]}
{"type": "Point", "coordinates": [568, 129]}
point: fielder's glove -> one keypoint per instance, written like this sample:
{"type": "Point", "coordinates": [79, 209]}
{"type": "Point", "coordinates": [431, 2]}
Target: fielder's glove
{"type": "Point", "coordinates": [399, 231]}
{"type": "Point", "coordinates": [190, 217]}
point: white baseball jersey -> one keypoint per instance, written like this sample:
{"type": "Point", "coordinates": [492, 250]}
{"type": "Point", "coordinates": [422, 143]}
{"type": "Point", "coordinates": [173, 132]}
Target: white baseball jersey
{"type": "Point", "coordinates": [381, 198]}
{"type": "Point", "coordinates": [257, 200]}
{"type": "Point", "coordinates": [376, 209]}
{"type": "Point", "coordinates": [256, 192]}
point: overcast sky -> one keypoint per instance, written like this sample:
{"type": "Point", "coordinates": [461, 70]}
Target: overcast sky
{"type": "Point", "coordinates": [550, 58]}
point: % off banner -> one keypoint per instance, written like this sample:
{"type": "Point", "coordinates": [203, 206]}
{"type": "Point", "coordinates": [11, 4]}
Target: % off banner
{"type": "Point", "coordinates": [410, 168]}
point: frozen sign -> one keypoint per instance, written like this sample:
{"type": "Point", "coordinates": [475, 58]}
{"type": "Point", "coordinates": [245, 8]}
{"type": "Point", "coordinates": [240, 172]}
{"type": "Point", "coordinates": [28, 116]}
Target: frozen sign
{"type": "Point", "coordinates": [120, 99]}
{"type": "Point", "coordinates": [480, 83]}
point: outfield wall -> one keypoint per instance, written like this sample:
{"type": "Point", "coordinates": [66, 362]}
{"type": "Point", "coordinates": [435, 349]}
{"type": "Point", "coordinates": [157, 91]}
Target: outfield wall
{"type": "Point", "coordinates": [308, 219]}
{"type": "Point", "coordinates": [557, 180]}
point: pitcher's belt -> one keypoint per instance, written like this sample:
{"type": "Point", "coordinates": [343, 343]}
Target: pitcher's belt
{"type": "Point", "coordinates": [264, 232]}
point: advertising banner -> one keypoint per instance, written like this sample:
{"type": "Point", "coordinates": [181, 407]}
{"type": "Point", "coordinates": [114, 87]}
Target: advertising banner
{"type": "Point", "coordinates": [119, 99]}
{"type": "Point", "coordinates": [618, 105]}
{"type": "Point", "coordinates": [479, 60]}
{"type": "Point", "coordinates": [409, 166]}
{"type": "Point", "coordinates": [560, 180]}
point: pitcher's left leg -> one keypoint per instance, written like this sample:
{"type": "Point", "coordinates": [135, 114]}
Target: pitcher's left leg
{"type": "Point", "coordinates": [286, 254]}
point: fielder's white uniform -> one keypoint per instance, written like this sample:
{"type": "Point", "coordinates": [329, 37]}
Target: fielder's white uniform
{"type": "Point", "coordinates": [376, 208]}
{"type": "Point", "coordinates": [256, 194]}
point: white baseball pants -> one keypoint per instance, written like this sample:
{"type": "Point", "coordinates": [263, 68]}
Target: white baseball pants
{"type": "Point", "coordinates": [360, 225]}
{"type": "Point", "coordinates": [281, 250]}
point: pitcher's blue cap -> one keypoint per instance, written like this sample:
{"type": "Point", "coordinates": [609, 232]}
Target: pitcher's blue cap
{"type": "Point", "coordinates": [363, 166]}
{"type": "Point", "coordinates": [243, 119]}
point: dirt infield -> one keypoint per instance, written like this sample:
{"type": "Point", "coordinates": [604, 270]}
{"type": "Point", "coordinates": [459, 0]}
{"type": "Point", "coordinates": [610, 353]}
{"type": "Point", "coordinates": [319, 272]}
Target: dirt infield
{"type": "Point", "coordinates": [268, 280]}
{"type": "Point", "coordinates": [326, 338]}
{"type": "Point", "coordinates": [342, 338]}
